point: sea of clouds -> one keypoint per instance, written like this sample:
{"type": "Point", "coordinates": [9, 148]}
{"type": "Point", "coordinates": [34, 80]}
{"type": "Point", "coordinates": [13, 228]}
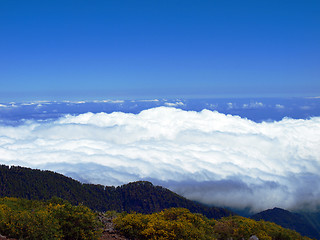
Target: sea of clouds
{"type": "Point", "coordinates": [207, 156]}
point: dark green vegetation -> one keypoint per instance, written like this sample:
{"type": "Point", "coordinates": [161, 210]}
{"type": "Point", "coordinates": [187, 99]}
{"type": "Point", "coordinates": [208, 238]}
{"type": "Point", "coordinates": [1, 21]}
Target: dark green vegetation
{"type": "Point", "coordinates": [54, 219]}
{"type": "Point", "coordinates": [179, 223]}
{"type": "Point", "coordinates": [306, 224]}
{"type": "Point", "coordinates": [140, 197]}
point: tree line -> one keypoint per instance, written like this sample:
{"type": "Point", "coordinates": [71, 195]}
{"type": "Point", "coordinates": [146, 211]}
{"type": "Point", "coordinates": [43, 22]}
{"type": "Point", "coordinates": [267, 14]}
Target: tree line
{"type": "Point", "coordinates": [139, 196]}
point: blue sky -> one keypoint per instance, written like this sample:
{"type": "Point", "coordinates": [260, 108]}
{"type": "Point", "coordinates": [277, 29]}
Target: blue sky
{"type": "Point", "coordinates": [136, 49]}
{"type": "Point", "coordinates": [170, 50]}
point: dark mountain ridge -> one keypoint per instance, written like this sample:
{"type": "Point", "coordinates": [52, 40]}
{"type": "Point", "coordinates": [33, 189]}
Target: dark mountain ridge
{"type": "Point", "coordinates": [306, 224]}
{"type": "Point", "coordinates": [141, 196]}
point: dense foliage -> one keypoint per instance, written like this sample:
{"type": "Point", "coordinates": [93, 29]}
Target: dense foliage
{"type": "Point", "coordinates": [179, 223]}
{"type": "Point", "coordinates": [174, 223]}
{"type": "Point", "coordinates": [54, 219]}
{"type": "Point", "coordinates": [140, 196]}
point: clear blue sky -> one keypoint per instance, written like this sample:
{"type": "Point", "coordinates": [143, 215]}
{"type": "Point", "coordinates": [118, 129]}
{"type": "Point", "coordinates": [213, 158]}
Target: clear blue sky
{"type": "Point", "coordinates": [165, 48]}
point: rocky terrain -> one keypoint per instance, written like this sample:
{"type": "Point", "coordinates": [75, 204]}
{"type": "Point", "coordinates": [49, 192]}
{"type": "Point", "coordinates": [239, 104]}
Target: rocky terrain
{"type": "Point", "coordinates": [108, 231]}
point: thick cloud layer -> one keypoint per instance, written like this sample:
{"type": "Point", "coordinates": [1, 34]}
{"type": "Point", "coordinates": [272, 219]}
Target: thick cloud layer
{"type": "Point", "coordinates": [207, 156]}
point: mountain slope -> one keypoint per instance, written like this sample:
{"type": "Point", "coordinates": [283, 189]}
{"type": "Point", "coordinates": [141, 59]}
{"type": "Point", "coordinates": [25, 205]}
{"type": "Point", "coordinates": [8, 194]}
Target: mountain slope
{"type": "Point", "coordinates": [286, 219]}
{"type": "Point", "coordinates": [140, 196]}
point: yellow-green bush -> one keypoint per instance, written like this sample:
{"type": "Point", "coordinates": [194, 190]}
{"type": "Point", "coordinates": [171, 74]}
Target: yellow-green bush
{"type": "Point", "coordinates": [26, 219]}
{"type": "Point", "coordinates": [76, 222]}
{"type": "Point", "coordinates": [174, 223]}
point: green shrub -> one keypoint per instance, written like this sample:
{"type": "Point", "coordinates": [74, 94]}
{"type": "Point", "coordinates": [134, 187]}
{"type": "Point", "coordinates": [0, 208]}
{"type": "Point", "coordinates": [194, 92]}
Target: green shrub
{"type": "Point", "coordinates": [174, 223]}
{"type": "Point", "coordinates": [76, 222]}
{"type": "Point", "coordinates": [26, 219]}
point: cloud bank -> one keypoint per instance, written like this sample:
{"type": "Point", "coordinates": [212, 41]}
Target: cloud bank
{"type": "Point", "coordinates": [207, 156]}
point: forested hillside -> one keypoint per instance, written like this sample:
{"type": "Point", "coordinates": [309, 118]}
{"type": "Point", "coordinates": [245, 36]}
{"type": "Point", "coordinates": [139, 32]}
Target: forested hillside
{"type": "Point", "coordinates": [140, 196]}
{"type": "Point", "coordinates": [305, 224]}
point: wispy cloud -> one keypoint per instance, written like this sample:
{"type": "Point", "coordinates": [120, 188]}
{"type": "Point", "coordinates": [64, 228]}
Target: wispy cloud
{"type": "Point", "coordinates": [253, 105]}
{"type": "Point", "coordinates": [279, 106]}
{"type": "Point", "coordinates": [207, 156]}
{"type": "Point", "coordinates": [174, 104]}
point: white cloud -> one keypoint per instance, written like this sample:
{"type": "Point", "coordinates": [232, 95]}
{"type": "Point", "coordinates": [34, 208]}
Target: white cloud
{"type": "Point", "coordinates": [36, 103]}
{"type": "Point", "coordinates": [253, 105]}
{"type": "Point", "coordinates": [207, 156]}
{"type": "Point", "coordinates": [317, 97]}
{"type": "Point", "coordinates": [175, 104]}
{"type": "Point", "coordinates": [116, 101]}
{"type": "Point", "coordinates": [148, 100]}
{"type": "Point", "coordinates": [230, 105]}
{"type": "Point", "coordinates": [279, 106]}
{"type": "Point", "coordinates": [75, 102]}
